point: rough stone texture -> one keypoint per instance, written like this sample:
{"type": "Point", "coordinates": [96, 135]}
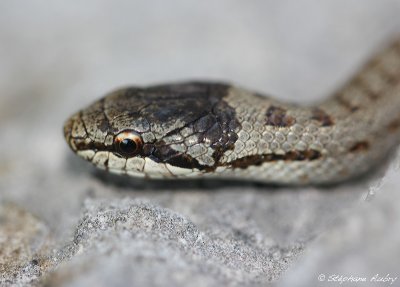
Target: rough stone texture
{"type": "Point", "coordinates": [23, 240]}
{"type": "Point", "coordinates": [63, 224]}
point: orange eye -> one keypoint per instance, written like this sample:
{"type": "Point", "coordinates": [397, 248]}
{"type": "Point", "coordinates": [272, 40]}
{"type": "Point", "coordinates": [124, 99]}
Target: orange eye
{"type": "Point", "coordinates": [128, 143]}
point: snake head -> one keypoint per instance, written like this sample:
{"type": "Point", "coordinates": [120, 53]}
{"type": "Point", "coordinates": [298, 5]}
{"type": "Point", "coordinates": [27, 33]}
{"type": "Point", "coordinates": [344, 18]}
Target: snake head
{"type": "Point", "coordinates": [164, 131]}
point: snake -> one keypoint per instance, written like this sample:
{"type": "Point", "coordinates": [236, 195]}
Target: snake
{"type": "Point", "coordinates": [190, 130]}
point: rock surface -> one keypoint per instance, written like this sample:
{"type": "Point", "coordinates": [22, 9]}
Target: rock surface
{"type": "Point", "coordinates": [64, 224]}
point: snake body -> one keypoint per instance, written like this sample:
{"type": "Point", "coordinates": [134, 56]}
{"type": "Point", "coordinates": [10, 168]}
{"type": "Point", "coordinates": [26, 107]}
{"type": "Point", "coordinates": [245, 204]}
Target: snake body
{"type": "Point", "coordinates": [201, 129]}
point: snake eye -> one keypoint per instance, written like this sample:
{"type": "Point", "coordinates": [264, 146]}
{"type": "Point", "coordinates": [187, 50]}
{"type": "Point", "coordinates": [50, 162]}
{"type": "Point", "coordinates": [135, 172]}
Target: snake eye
{"type": "Point", "coordinates": [128, 143]}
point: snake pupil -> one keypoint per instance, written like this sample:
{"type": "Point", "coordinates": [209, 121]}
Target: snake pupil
{"type": "Point", "coordinates": [128, 146]}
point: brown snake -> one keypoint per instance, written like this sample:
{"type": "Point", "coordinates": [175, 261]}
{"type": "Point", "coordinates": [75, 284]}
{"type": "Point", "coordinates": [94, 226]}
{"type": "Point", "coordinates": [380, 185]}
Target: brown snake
{"type": "Point", "coordinates": [218, 130]}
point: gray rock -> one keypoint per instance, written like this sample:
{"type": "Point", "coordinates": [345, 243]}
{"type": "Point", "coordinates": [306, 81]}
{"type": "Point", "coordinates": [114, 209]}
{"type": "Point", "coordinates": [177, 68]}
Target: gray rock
{"type": "Point", "coordinates": [24, 241]}
{"type": "Point", "coordinates": [132, 241]}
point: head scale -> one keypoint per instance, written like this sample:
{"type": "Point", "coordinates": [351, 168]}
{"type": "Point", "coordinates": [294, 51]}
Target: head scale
{"type": "Point", "coordinates": [164, 131]}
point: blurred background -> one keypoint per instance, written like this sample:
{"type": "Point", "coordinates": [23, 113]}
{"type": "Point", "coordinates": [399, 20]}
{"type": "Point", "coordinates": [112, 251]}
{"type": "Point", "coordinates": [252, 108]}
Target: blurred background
{"type": "Point", "coordinates": [59, 56]}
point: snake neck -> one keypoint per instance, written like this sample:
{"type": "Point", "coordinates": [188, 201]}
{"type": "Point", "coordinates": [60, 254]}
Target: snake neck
{"type": "Point", "coordinates": [360, 120]}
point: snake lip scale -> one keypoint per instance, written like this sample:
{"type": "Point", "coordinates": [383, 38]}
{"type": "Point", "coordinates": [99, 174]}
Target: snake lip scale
{"type": "Point", "coordinates": [209, 129]}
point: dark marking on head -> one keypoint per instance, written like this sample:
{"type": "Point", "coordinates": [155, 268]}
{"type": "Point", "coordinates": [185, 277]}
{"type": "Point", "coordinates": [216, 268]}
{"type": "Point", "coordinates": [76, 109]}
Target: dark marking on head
{"type": "Point", "coordinates": [255, 160]}
{"type": "Point", "coordinates": [185, 161]}
{"type": "Point", "coordinates": [83, 144]}
{"type": "Point", "coordinates": [195, 110]}
{"type": "Point", "coordinates": [104, 126]}
{"type": "Point", "coordinates": [148, 149]}
{"type": "Point", "coordinates": [322, 117]}
{"type": "Point", "coordinates": [276, 116]}
{"type": "Point", "coordinates": [360, 146]}
{"type": "Point", "coordinates": [204, 123]}
{"type": "Point", "coordinates": [162, 152]}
